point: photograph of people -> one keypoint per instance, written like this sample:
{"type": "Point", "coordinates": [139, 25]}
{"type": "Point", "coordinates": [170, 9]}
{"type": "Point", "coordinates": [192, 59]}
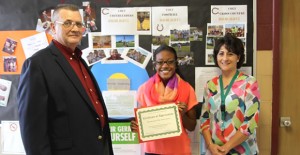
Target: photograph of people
{"type": "Point", "coordinates": [95, 56]}
{"type": "Point", "coordinates": [215, 30]}
{"type": "Point", "coordinates": [101, 41]}
{"type": "Point", "coordinates": [161, 39]}
{"type": "Point", "coordinates": [167, 86]}
{"type": "Point", "coordinates": [237, 30]}
{"type": "Point", "coordinates": [9, 46]}
{"type": "Point", "coordinates": [10, 63]}
{"type": "Point", "coordinates": [231, 106]}
{"type": "Point", "coordinates": [136, 55]}
{"type": "Point", "coordinates": [45, 17]}
{"type": "Point", "coordinates": [89, 17]}
{"type": "Point", "coordinates": [187, 60]}
{"type": "Point", "coordinates": [180, 34]}
{"type": "Point", "coordinates": [60, 105]}
{"type": "Point", "coordinates": [196, 34]}
{"type": "Point", "coordinates": [143, 20]}
{"type": "Point", "coordinates": [114, 55]}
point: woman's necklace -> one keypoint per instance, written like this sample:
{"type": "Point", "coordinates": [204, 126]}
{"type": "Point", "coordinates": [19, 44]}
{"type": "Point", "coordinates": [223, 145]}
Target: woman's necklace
{"type": "Point", "coordinates": [223, 96]}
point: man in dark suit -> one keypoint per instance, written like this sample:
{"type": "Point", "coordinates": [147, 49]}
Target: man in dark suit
{"type": "Point", "coordinates": [61, 108]}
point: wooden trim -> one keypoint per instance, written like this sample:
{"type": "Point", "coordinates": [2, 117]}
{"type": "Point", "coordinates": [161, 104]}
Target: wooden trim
{"type": "Point", "coordinates": [276, 77]}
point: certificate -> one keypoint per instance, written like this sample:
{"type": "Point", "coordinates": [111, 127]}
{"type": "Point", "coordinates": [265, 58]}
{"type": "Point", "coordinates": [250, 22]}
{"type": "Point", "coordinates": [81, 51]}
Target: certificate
{"type": "Point", "coordinates": [158, 122]}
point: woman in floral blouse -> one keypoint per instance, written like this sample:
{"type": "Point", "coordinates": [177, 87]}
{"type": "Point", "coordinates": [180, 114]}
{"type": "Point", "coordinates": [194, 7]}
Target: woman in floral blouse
{"type": "Point", "coordinates": [231, 103]}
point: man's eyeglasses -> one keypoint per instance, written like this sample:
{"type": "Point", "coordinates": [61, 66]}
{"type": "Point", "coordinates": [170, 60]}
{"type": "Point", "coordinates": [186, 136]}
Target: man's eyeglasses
{"type": "Point", "coordinates": [168, 62]}
{"type": "Point", "coordinates": [69, 23]}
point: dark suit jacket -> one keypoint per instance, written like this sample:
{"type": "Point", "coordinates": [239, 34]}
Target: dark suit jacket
{"type": "Point", "coordinates": [57, 116]}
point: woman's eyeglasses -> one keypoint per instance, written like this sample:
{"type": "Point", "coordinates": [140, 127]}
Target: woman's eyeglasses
{"type": "Point", "coordinates": [168, 62]}
{"type": "Point", "coordinates": [69, 23]}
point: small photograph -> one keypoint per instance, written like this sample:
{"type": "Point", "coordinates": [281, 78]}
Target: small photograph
{"type": "Point", "coordinates": [10, 63]}
{"type": "Point", "coordinates": [45, 15]}
{"type": "Point", "coordinates": [5, 87]}
{"type": "Point", "coordinates": [115, 55]}
{"type": "Point", "coordinates": [184, 54]}
{"type": "Point", "coordinates": [44, 21]}
{"type": "Point", "coordinates": [245, 46]}
{"type": "Point", "coordinates": [215, 30]}
{"type": "Point", "coordinates": [102, 41]}
{"type": "Point", "coordinates": [210, 42]}
{"type": "Point", "coordinates": [181, 33]}
{"type": "Point", "coordinates": [186, 60]}
{"type": "Point", "coordinates": [181, 47]}
{"type": "Point", "coordinates": [143, 20]}
{"type": "Point", "coordinates": [96, 56]}
{"type": "Point", "coordinates": [209, 58]}
{"type": "Point", "coordinates": [236, 29]}
{"type": "Point", "coordinates": [9, 46]}
{"type": "Point", "coordinates": [196, 34]}
{"type": "Point", "coordinates": [89, 16]}
{"type": "Point", "coordinates": [125, 41]}
{"type": "Point", "coordinates": [138, 56]}
{"type": "Point", "coordinates": [159, 40]}
{"type": "Point", "coordinates": [92, 56]}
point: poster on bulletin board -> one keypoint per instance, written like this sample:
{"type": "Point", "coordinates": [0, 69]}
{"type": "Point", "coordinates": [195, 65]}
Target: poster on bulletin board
{"type": "Point", "coordinates": [124, 141]}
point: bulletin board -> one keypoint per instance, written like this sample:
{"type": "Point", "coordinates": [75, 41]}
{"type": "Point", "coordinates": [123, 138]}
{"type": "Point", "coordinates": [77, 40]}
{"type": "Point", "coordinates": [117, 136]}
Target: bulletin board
{"type": "Point", "coordinates": [19, 19]}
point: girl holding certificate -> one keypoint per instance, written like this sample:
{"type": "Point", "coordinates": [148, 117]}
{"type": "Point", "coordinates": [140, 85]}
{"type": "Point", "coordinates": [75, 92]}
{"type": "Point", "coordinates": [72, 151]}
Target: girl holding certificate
{"type": "Point", "coordinates": [231, 103]}
{"type": "Point", "coordinates": [166, 86]}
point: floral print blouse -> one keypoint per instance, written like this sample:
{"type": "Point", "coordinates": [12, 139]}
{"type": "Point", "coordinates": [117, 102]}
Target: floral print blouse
{"type": "Point", "coordinates": [242, 105]}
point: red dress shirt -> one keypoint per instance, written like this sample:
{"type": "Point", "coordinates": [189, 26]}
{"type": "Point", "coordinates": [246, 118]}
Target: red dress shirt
{"type": "Point", "coordinates": [73, 58]}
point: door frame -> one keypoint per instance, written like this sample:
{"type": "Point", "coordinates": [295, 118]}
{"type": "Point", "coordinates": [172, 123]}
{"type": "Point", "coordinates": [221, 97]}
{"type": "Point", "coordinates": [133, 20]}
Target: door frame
{"type": "Point", "coordinates": [276, 77]}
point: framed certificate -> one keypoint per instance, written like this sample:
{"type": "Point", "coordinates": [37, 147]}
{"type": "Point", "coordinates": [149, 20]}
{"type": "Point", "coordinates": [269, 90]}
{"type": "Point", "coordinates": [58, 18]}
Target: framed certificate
{"type": "Point", "coordinates": [157, 122]}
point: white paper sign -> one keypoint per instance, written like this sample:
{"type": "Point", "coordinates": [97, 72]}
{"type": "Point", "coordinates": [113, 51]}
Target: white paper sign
{"type": "Point", "coordinates": [228, 13]}
{"type": "Point", "coordinates": [164, 17]}
{"type": "Point", "coordinates": [203, 74]}
{"type": "Point", "coordinates": [34, 43]}
{"type": "Point", "coordinates": [126, 149]}
{"type": "Point", "coordinates": [120, 103]}
{"type": "Point", "coordinates": [11, 138]}
{"type": "Point", "coordinates": [118, 21]}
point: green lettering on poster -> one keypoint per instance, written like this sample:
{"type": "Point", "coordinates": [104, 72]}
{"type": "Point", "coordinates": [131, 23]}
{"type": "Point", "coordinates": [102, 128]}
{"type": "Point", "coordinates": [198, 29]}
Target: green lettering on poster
{"type": "Point", "coordinates": [121, 133]}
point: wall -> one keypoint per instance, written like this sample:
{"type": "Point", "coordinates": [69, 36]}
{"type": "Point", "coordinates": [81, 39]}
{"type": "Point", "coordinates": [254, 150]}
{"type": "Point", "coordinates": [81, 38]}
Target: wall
{"type": "Point", "coordinates": [264, 74]}
{"type": "Point", "coordinates": [1, 147]}
{"type": "Point", "coordinates": [264, 61]}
